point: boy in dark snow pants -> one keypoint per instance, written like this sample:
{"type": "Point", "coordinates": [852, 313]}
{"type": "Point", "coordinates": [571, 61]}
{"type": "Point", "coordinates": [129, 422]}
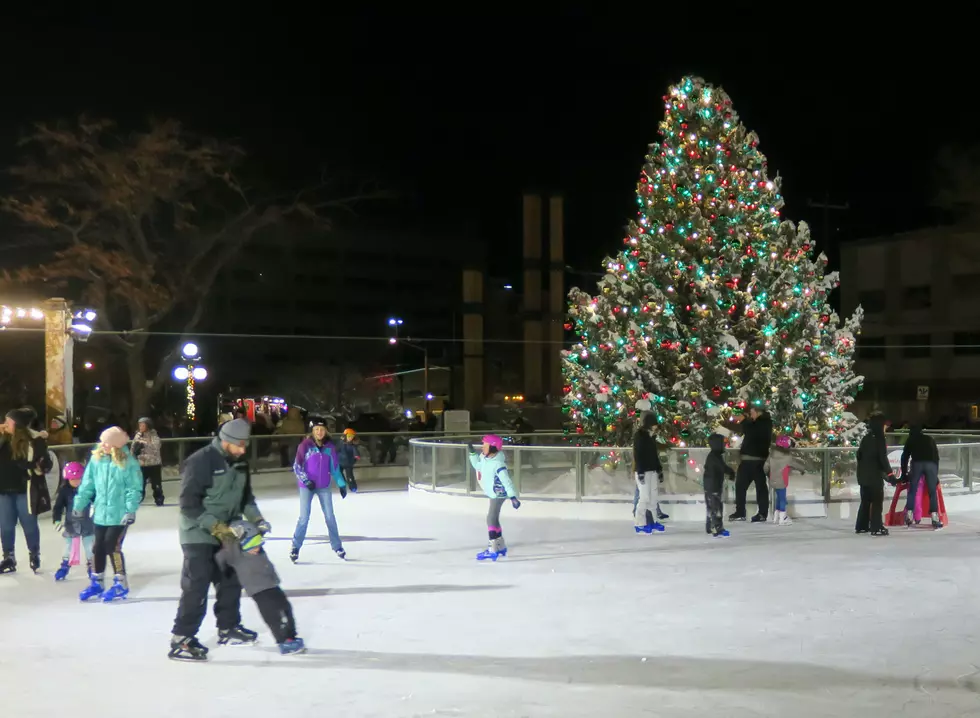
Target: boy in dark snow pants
{"type": "Point", "coordinates": [715, 471]}
{"type": "Point", "coordinates": [258, 577]}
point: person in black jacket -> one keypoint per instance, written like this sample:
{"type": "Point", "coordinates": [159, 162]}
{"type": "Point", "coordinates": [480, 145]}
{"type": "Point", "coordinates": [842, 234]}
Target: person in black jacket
{"type": "Point", "coordinates": [646, 464]}
{"type": "Point", "coordinates": [924, 453]}
{"type": "Point", "coordinates": [24, 460]}
{"type": "Point", "coordinates": [872, 465]}
{"type": "Point", "coordinates": [753, 453]}
{"type": "Point", "coordinates": [715, 471]}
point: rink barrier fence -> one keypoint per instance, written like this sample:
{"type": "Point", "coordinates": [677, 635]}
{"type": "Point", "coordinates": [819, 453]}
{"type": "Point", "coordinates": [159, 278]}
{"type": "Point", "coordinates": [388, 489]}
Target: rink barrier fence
{"type": "Point", "coordinates": [564, 472]}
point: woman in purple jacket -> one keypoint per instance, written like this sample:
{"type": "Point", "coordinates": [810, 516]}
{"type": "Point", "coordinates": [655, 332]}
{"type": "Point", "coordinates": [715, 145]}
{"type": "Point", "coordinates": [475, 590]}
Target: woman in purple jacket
{"type": "Point", "coordinates": [315, 466]}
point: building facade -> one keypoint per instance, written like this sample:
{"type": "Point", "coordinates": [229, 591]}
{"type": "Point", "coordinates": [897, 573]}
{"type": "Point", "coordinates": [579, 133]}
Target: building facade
{"type": "Point", "coordinates": [919, 349]}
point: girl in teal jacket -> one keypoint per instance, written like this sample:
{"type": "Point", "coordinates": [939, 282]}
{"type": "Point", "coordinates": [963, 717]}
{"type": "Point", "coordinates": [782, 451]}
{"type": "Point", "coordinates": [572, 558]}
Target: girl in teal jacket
{"type": "Point", "coordinates": [491, 472]}
{"type": "Point", "coordinates": [113, 484]}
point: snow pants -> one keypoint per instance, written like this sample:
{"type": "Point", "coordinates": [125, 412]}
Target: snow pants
{"type": "Point", "coordinates": [751, 471]}
{"type": "Point", "coordinates": [648, 485]}
{"type": "Point", "coordinates": [277, 613]}
{"type": "Point", "coordinates": [714, 522]}
{"type": "Point", "coordinates": [869, 512]}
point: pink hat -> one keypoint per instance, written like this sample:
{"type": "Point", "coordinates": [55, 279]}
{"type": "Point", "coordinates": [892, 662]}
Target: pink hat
{"type": "Point", "coordinates": [74, 471]}
{"type": "Point", "coordinates": [494, 441]}
{"type": "Point", "coordinates": [114, 437]}
{"type": "Point", "coordinates": [783, 442]}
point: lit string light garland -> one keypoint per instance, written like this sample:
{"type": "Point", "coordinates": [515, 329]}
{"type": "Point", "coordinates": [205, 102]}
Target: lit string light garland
{"type": "Point", "coordinates": [715, 300]}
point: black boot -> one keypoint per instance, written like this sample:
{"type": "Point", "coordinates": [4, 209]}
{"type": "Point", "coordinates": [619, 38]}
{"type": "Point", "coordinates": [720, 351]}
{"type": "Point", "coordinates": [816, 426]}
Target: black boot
{"type": "Point", "coordinates": [187, 648]}
{"type": "Point", "coordinates": [236, 636]}
{"type": "Point", "coordinates": [35, 561]}
{"type": "Point", "coordinates": [9, 563]}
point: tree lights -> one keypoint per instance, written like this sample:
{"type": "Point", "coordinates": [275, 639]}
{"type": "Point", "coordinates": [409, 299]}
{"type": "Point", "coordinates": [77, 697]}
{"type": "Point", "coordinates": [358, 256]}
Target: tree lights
{"type": "Point", "coordinates": [714, 302]}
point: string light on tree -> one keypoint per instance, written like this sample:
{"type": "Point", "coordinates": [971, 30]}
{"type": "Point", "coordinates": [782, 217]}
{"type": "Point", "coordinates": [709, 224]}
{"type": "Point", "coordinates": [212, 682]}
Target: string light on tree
{"type": "Point", "coordinates": [714, 302]}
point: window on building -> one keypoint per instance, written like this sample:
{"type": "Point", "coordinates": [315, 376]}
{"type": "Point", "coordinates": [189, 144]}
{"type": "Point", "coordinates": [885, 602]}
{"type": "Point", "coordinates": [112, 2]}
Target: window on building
{"type": "Point", "coordinates": [966, 286]}
{"type": "Point", "coordinates": [872, 348]}
{"type": "Point", "coordinates": [966, 343]}
{"type": "Point", "coordinates": [916, 346]}
{"type": "Point", "coordinates": [872, 301]}
{"type": "Point", "coordinates": [916, 298]}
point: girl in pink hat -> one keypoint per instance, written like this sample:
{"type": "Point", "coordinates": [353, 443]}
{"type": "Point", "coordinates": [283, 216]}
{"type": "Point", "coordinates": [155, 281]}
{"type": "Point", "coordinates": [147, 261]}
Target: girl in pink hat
{"type": "Point", "coordinates": [113, 485]}
{"type": "Point", "coordinates": [494, 479]}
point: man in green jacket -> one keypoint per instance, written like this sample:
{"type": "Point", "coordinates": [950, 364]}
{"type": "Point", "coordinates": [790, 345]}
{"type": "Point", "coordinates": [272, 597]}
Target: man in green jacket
{"type": "Point", "coordinates": [215, 489]}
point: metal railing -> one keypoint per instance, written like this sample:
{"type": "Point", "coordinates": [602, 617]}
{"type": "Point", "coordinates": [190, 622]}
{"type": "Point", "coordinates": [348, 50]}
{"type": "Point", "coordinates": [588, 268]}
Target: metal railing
{"type": "Point", "coordinates": [589, 473]}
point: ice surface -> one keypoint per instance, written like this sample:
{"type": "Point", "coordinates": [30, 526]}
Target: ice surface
{"type": "Point", "coordinates": [808, 620]}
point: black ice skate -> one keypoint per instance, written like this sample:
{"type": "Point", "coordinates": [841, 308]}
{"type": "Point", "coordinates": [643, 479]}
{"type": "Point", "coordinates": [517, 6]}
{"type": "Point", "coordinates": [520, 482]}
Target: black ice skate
{"type": "Point", "coordinates": [187, 648]}
{"type": "Point", "coordinates": [880, 532]}
{"type": "Point", "coordinates": [8, 564]}
{"type": "Point", "coordinates": [758, 519]}
{"type": "Point", "coordinates": [937, 525]}
{"type": "Point", "coordinates": [737, 517]}
{"type": "Point", "coordinates": [35, 561]}
{"type": "Point", "coordinates": [237, 636]}
{"type": "Point", "coordinates": [341, 553]}
{"type": "Point", "coordinates": [294, 555]}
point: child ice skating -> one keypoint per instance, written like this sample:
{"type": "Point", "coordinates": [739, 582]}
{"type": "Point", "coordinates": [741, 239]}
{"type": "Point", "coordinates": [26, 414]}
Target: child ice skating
{"type": "Point", "coordinates": [646, 464]}
{"type": "Point", "coordinates": [495, 480]}
{"type": "Point", "coordinates": [258, 577]}
{"type": "Point", "coordinates": [113, 484]}
{"type": "Point", "coordinates": [347, 453]}
{"type": "Point", "coordinates": [81, 529]}
{"type": "Point", "coordinates": [781, 463]}
{"type": "Point", "coordinates": [715, 471]}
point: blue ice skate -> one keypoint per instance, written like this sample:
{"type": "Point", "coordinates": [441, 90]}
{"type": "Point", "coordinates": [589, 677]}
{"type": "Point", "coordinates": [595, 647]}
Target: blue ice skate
{"type": "Point", "coordinates": [292, 645]}
{"type": "Point", "coordinates": [490, 553]}
{"type": "Point", "coordinates": [93, 590]}
{"type": "Point", "coordinates": [649, 528]}
{"type": "Point", "coordinates": [722, 534]}
{"type": "Point", "coordinates": [116, 592]}
{"type": "Point", "coordinates": [62, 573]}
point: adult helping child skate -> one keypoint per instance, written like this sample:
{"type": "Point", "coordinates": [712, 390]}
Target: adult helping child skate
{"type": "Point", "coordinates": [215, 489]}
{"type": "Point", "coordinates": [492, 474]}
{"type": "Point", "coordinates": [258, 576]}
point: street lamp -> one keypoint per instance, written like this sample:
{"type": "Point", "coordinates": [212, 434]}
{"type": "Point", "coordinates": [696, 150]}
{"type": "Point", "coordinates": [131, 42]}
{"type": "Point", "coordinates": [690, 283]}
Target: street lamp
{"type": "Point", "coordinates": [190, 373]}
{"type": "Point", "coordinates": [394, 322]}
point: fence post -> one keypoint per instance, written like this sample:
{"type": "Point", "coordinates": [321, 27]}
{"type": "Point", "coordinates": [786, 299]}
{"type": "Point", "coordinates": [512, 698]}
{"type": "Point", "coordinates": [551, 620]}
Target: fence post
{"type": "Point", "coordinates": [825, 472]}
{"type": "Point", "coordinates": [517, 470]}
{"type": "Point", "coordinates": [968, 467]}
{"type": "Point", "coordinates": [579, 475]}
{"type": "Point", "coordinates": [434, 463]}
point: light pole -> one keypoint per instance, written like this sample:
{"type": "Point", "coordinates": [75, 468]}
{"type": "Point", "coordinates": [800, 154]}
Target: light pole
{"type": "Point", "coordinates": [190, 372]}
{"type": "Point", "coordinates": [425, 352]}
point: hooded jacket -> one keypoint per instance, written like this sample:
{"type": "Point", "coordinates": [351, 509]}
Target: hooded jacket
{"type": "Point", "coordinates": [715, 468]}
{"type": "Point", "coordinates": [781, 463]}
{"type": "Point", "coordinates": [757, 435]}
{"type": "Point", "coordinates": [919, 447]}
{"type": "Point", "coordinates": [493, 475]}
{"type": "Point", "coordinates": [318, 463]}
{"type": "Point", "coordinates": [148, 451]}
{"type": "Point", "coordinates": [112, 490]}
{"type": "Point", "coordinates": [645, 456]}
{"type": "Point", "coordinates": [872, 454]}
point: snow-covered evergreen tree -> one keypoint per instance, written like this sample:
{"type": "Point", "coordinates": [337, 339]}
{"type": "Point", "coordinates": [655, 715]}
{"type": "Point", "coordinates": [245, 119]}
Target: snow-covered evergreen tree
{"type": "Point", "coordinates": [714, 301]}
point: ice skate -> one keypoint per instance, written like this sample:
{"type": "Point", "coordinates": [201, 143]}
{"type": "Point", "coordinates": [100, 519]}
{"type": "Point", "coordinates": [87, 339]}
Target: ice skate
{"type": "Point", "coordinates": [34, 559]}
{"type": "Point", "coordinates": [291, 646]}
{"type": "Point", "coordinates": [294, 555]}
{"type": "Point", "coordinates": [501, 547]}
{"type": "Point", "coordinates": [736, 517]}
{"type": "Point", "coordinates": [758, 519]}
{"type": "Point", "coordinates": [661, 515]}
{"type": "Point", "coordinates": [237, 636]}
{"type": "Point", "coordinates": [909, 519]}
{"type": "Point", "coordinates": [187, 648]}
{"type": "Point", "coordinates": [784, 519]}
{"type": "Point", "coordinates": [937, 525]}
{"type": "Point", "coordinates": [62, 573]}
{"type": "Point", "coordinates": [341, 553]}
{"type": "Point", "coordinates": [117, 591]}
{"type": "Point", "coordinates": [722, 534]}
{"type": "Point", "coordinates": [489, 553]}
{"type": "Point", "coordinates": [8, 564]}
{"type": "Point", "coordinates": [94, 590]}
{"type": "Point", "coordinates": [880, 532]}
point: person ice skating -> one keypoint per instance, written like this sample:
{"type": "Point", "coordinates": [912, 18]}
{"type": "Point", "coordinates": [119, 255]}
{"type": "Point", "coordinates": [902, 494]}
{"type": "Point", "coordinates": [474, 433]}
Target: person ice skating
{"type": "Point", "coordinates": [146, 448]}
{"type": "Point", "coordinates": [491, 468]}
{"type": "Point", "coordinates": [316, 465]}
{"type": "Point", "coordinates": [872, 465]}
{"type": "Point", "coordinates": [648, 425]}
{"type": "Point", "coordinates": [756, 433]}
{"type": "Point", "coordinates": [215, 490]}
{"type": "Point", "coordinates": [24, 461]}
{"type": "Point", "coordinates": [258, 577]}
{"type": "Point", "coordinates": [113, 484]}
{"type": "Point", "coordinates": [715, 472]}
{"type": "Point", "coordinates": [647, 472]}
{"type": "Point", "coordinates": [924, 454]}
{"type": "Point", "coordinates": [348, 455]}
{"type": "Point", "coordinates": [81, 529]}
{"type": "Point", "coordinates": [781, 462]}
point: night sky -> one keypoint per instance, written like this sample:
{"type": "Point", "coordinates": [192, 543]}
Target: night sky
{"type": "Point", "coordinates": [461, 121]}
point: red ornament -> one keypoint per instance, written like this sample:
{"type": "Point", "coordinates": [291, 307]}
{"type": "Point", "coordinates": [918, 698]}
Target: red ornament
{"type": "Point", "coordinates": [716, 391]}
{"type": "Point", "coordinates": [813, 380]}
{"type": "Point", "coordinates": [568, 326]}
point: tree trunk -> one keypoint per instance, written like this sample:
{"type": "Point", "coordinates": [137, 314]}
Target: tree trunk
{"type": "Point", "coordinates": [139, 396]}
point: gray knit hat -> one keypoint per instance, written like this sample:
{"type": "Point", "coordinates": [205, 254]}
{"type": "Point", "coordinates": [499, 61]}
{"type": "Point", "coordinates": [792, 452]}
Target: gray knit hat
{"type": "Point", "coordinates": [235, 431]}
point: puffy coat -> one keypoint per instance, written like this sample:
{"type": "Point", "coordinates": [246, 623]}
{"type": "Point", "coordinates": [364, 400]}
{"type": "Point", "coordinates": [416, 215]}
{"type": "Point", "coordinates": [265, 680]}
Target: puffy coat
{"type": "Point", "coordinates": [872, 455]}
{"type": "Point", "coordinates": [781, 463]}
{"type": "Point", "coordinates": [149, 448]}
{"type": "Point", "coordinates": [114, 491]}
{"type": "Point", "coordinates": [319, 464]}
{"type": "Point", "coordinates": [493, 475]}
{"type": "Point", "coordinates": [347, 453]}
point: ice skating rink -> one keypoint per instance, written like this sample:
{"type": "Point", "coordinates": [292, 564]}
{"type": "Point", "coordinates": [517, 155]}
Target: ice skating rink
{"type": "Point", "coordinates": [582, 619]}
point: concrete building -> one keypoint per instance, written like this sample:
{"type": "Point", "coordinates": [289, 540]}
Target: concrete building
{"type": "Point", "coordinates": [920, 345]}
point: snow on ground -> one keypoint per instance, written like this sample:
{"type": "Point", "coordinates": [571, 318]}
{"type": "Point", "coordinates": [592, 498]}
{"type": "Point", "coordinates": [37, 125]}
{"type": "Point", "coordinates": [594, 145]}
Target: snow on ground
{"type": "Point", "coordinates": [583, 619]}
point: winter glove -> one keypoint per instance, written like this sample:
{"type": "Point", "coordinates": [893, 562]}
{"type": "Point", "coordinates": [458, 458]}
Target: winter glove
{"type": "Point", "coordinates": [264, 527]}
{"type": "Point", "coordinates": [891, 478]}
{"type": "Point", "coordinates": [223, 533]}
{"type": "Point", "coordinates": [470, 448]}
{"type": "Point", "coordinates": [308, 483]}
{"type": "Point", "coordinates": [660, 476]}
{"type": "Point", "coordinates": [128, 519]}
{"type": "Point", "coordinates": [640, 477]}
{"type": "Point", "coordinates": [515, 502]}
{"type": "Point", "coordinates": [343, 492]}
{"type": "Point", "coordinates": [352, 484]}
{"type": "Point", "coordinates": [59, 526]}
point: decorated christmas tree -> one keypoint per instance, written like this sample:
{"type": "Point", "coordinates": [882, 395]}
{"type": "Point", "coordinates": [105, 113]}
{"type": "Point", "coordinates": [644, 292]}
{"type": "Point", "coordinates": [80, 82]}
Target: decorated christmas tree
{"type": "Point", "coordinates": [714, 302]}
